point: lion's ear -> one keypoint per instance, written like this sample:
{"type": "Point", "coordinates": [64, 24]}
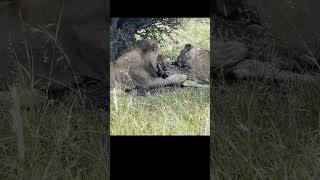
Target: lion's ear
{"type": "Point", "coordinates": [188, 46]}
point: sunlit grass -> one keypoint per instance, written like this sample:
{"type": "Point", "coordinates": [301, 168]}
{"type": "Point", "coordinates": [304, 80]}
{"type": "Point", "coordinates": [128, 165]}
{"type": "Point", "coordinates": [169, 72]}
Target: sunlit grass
{"type": "Point", "coordinates": [194, 30]}
{"type": "Point", "coordinates": [178, 112]}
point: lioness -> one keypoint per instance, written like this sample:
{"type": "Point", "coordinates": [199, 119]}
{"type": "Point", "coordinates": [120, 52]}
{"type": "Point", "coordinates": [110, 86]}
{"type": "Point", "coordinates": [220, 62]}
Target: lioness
{"type": "Point", "coordinates": [198, 59]}
{"type": "Point", "coordinates": [138, 68]}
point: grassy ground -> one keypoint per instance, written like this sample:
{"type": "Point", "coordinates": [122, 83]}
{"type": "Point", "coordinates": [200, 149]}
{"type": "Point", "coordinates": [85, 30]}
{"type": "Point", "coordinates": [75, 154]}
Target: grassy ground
{"type": "Point", "coordinates": [194, 30]}
{"type": "Point", "coordinates": [177, 112]}
{"type": "Point", "coordinates": [52, 142]}
{"type": "Point", "coordinates": [262, 131]}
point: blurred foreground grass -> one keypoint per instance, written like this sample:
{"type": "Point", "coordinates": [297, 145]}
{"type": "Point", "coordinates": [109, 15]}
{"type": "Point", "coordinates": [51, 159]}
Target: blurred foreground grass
{"type": "Point", "coordinates": [52, 141]}
{"type": "Point", "coordinates": [265, 131]}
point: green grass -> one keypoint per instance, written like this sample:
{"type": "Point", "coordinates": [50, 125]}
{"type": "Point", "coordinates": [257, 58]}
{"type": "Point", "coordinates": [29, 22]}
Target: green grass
{"type": "Point", "coordinates": [262, 131]}
{"type": "Point", "coordinates": [194, 30]}
{"type": "Point", "coordinates": [52, 142]}
{"type": "Point", "coordinates": [177, 112]}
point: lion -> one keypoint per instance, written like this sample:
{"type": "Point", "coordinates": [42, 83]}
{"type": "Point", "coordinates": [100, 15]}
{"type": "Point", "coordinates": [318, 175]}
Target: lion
{"type": "Point", "coordinates": [225, 56]}
{"type": "Point", "coordinates": [139, 68]}
{"type": "Point", "coordinates": [80, 27]}
{"type": "Point", "coordinates": [199, 61]}
{"type": "Point", "coordinates": [228, 54]}
{"type": "Point", "coordinates": [52, 42]}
